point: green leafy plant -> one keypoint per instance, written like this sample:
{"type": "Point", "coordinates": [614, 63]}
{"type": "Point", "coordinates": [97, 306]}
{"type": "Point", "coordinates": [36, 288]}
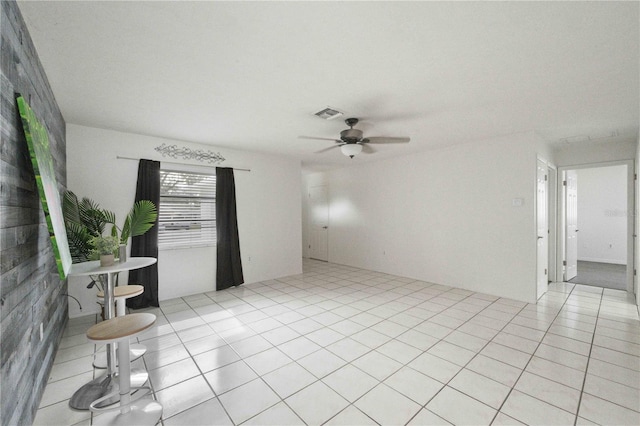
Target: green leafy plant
{"type": "Point", "coordinates": [105, 245]}
{"type": "Point", "coordinates": [140, 219]}
{"type": "Point", "coordinates": [85, 220]}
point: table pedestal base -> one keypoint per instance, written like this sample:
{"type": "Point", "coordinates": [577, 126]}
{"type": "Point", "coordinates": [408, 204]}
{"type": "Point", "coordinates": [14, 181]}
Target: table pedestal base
{"type": "Point", "coordinates": [103, 385]}
{"type": "Point", "coordinates": [143, 412]}
{"type": "Point", "coordinates": [136, 350]}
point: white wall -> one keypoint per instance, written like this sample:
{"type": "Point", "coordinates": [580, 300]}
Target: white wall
{"type": "Point", "coordinates": [602, 214]}
{"type": "Point", "coordinates": [268, 203]}
{"type": "Point", "coordinates": [443, 216]}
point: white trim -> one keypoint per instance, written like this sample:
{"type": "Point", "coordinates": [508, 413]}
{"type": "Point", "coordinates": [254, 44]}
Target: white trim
{"type": "Point", "coordinates": [594, 259]}
{"type": "Point", "coordinates": [553, 222]}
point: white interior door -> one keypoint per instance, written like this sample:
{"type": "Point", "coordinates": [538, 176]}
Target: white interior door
{"type": "Point", "coordinates": [542, 220]}
{"type": "Point", "coordinates": [571, 234]}
{"type": "Point", "coordinates": [319, 222]}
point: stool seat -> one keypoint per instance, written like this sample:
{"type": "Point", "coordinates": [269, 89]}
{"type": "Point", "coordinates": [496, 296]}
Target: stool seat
{"type": "Point", "coordinates": [133, 410]}
{"type": "Point", "coordinates": [125, 291]}
{"type": "Point", "coordinates": [120, 327]}
{"type": "Point", "coordinates": [121, 294]}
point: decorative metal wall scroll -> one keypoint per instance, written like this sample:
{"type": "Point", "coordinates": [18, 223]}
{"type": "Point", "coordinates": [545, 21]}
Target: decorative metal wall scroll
{"type": "Point", "coordinates": [174, 151]}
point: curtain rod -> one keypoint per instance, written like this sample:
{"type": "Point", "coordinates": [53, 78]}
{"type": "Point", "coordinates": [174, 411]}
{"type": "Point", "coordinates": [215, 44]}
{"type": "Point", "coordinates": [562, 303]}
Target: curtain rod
{"type": "Point", "coordinates": [119, 157]}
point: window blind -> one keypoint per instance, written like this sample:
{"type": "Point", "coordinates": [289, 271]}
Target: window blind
{"type": "Point", "coordinates": [187, 213]}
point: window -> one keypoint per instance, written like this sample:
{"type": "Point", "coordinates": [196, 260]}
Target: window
{"type": "Point", "coordinates": [187, 213]}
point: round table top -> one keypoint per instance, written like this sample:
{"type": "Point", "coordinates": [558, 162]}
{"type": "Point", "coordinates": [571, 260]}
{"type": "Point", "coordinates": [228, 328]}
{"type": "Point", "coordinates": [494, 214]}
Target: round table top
{"type": "Point", "coordinates": [93, 267]}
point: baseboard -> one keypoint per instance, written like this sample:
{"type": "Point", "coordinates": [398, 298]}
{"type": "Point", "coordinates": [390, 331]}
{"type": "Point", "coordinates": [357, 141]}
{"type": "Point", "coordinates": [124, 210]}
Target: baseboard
{"type": "Point", "coordinates": [83, 313]}
{"type": "Point", "coordinates": [612, 261]}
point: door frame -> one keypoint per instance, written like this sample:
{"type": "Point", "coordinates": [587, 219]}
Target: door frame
{"type": "Point", "coordinates": [566, 229]}
{"type": "Point", "coordinates": [552, 216]}
{"type": "Point", "coordinates": [630, 215]}
{"type": "Point", "coordinates": [550, 168]}
{"type": "Point", "coordinates": [545, 165]}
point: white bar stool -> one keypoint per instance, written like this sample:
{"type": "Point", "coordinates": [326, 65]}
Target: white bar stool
{"type": "Point", "coordinates": [133, 411]}
{"type": "Point", "coordinates": [121, 294]}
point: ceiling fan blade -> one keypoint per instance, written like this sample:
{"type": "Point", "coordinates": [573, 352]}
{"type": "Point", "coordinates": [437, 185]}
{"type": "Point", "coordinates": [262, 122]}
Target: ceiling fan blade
{"type": "Point", "coordinates": [327, 149]}
{"type": "Point", "coordinates": [367, 149]}
{"type": "Point", "coordinates": [382, 139]}
{"type": "Point", "coordinates": [319, 139]}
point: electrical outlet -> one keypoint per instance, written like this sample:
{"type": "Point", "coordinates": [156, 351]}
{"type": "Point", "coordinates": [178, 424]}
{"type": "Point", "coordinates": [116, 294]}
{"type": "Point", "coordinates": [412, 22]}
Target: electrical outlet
{"type": "Point", "coordinates": [41, 332]}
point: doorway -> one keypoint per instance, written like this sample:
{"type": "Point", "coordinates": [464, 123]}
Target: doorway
{"type": "Point", "coordinates": [546, 225]}
{"type": "Point", "coordinates": [542, 227]}
{"type": "Point", "coordinates": [597, 229]}
{"type": "Point", "coordinates": [318, 223]}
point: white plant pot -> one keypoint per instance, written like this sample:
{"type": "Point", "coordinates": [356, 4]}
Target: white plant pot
{"type": "Point", "coordinates": [107, 260]}
{"type": "Point", "coordinates": [122, 253]}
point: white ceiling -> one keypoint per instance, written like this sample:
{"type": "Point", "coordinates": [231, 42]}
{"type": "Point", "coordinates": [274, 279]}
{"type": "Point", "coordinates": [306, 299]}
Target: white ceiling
{"type": "Point", "coordinates": [250, 75]}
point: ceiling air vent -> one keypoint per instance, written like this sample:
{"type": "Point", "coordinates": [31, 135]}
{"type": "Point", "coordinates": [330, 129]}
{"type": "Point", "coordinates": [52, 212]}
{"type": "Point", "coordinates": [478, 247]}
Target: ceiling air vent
{"type": "Point", "coordinates": [328, 113]}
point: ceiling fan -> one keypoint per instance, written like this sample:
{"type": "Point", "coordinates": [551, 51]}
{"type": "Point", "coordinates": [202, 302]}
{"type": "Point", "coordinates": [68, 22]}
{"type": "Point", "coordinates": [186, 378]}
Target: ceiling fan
{"type": "Point", "coordinates": [351, 141]}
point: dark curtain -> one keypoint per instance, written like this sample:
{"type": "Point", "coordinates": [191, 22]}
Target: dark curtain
{"type": "Point", "coordinates": [229, 265]}
{"type": "Point", "coordinates": [146, 245]}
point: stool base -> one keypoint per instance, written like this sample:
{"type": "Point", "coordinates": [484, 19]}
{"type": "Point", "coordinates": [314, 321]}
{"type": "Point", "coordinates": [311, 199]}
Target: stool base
{"type": "Point", "coordinates": [103, 385]}
{"type": "Point", "coordinates": [143, 412]}
{"type": "Point", "coordinates": [136, 350]}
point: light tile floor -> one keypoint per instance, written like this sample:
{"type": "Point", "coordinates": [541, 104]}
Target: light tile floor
{"type": "Point", "coordinates": [344, 346]}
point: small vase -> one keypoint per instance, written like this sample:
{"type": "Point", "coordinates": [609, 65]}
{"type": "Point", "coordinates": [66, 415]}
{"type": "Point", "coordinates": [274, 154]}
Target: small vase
{"type": "Point", "coordinates": [122, 253]}
{"type": "Point", "coordinates": [107, 260]}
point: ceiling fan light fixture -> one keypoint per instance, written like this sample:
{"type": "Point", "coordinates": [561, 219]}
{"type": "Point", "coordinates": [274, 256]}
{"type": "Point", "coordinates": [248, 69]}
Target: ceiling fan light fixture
{"type": "Point", "coordinates": [351, 149]}
{"type": "Point", "coordinates": [352, 142]}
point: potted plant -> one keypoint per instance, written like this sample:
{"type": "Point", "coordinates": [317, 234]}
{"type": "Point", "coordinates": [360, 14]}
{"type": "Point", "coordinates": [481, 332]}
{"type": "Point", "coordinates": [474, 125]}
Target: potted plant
{"type": "Point", "coordinates": [105, 247]}
{"type": "Point", "coordinates": [85, 220]}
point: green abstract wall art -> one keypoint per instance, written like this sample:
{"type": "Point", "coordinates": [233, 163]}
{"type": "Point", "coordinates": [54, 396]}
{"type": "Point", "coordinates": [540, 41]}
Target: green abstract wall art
{"type": "Point", "coordinates": [38, 141]}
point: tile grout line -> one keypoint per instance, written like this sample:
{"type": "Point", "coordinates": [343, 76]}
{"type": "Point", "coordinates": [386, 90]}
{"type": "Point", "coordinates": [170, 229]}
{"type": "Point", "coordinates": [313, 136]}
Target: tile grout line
{"type": "Point", "coordinates": [368, 288]}
{"type": "Point", "coordinates": [467, 320]}
{"type": "Point", "coordinates": [249, 366]}
{"type": "Point", "coordinates": [383, 319]}
{"type": "Point", "coordinates": [586, 370]}
{"type": "Point", "coordinates": [531, 357]}
{"type": "Point", "coordinates": [191, 357]}
{"type": "Point", "coordinates": [347, 362]}
{"type": "Point", "coordinates": [403, 364]}
{"type": "Point", "coordinates": [371, 349]}
{"type": "Point", "coordinates": [468, 362]}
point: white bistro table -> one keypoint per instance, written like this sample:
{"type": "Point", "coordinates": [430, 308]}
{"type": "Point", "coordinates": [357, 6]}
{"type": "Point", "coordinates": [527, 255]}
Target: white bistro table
{"type": "Point", "coordinates": [106, 383]}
